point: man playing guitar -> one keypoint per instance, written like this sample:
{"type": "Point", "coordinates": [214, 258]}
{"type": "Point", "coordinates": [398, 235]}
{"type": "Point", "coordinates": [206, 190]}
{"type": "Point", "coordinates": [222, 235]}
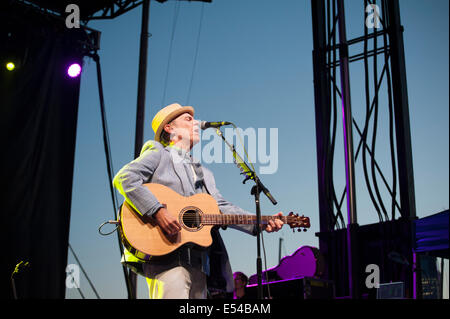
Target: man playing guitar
{"type": "Point", "coordinates": [186, 272]}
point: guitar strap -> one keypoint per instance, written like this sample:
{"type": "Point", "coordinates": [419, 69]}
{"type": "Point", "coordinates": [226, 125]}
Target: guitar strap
{"type": "Point", "coordinates": [217, 265]}
{"type": "Point", "coordinates": [219, 274]}
{"type": "Point", "coordinates": [199, 185]}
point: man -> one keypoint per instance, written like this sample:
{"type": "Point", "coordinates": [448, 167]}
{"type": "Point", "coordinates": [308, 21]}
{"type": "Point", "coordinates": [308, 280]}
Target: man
{"type": "Point", "coordinates": [240, 283]}
{"type": "Point", "coordinates": [186, 272]}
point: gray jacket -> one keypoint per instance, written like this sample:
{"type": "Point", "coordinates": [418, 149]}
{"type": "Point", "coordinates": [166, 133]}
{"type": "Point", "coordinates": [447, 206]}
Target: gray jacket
{"type": "Point", "coordinates": [162, 165]}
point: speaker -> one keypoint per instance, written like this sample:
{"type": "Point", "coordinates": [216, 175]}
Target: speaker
{"type": "Point", "coordinates": [392, 290]}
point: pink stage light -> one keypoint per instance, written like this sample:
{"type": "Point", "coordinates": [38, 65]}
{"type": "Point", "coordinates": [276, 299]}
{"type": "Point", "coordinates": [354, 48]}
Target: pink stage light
{"type": "Point", "coordinates": [74, 70]}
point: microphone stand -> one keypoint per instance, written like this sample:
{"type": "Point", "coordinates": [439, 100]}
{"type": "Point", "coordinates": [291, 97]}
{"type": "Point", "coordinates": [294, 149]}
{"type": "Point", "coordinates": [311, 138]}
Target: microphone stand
{"type": "Point", "coordinates": [255, 191]}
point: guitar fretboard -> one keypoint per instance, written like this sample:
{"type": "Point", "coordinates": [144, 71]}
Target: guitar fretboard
{"type": "Point", "coordinates": [207, 219]}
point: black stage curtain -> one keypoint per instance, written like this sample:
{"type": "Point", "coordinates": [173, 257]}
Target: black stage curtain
{"type": "Point", "coordinates": [38, 119]}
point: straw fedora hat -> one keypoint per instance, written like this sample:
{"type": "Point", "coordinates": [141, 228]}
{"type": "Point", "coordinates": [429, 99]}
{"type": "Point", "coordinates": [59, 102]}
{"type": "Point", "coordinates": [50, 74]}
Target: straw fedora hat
{"type": "Point", "coordinates": [167, 114]}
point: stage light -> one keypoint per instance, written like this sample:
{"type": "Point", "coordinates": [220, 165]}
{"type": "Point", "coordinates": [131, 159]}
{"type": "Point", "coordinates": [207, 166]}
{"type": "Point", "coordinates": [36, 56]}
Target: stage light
{"type": "Point", "coordinates": [10, 66]}
{"type": "Point", "coordinates": [74, 70]}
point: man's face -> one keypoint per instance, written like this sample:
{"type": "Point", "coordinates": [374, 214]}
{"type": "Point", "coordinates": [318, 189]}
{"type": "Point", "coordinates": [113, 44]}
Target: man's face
{"type": "Point", "coordinates": [185, 128]}
{"type": "Point", "coordinates": [239, 282]}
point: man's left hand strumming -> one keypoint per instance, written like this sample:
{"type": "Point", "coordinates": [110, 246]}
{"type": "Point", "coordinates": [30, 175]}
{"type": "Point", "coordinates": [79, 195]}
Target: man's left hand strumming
{"type": "Point", "coordinates": [274, 225]}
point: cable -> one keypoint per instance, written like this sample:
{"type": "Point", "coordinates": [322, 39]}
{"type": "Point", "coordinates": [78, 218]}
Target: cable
{"type": "Point", "coordinates": [106, 143]}
{"type": "Point", "coordinates": [368, 150]}
{"type": "Point", "coordinates": [390, 245]}
{"type": "Point", "coordinates": [84, 272]}
{"type": "Point", "coordinates": [196, 54]}
{"type": "Point", "coordinates": [96, 58]}
{"type": "Point", "coordinates": [80, 292]}
{"type": "Point", "coordinates": [391, 122]}
{"type": "Point", "coordinates": [376, 166]}
{"type": "Point", "coordinates": [330, 156]}
{"type": "Point", "coordinates": [174, 25]}
{"type": "Point", "coordinates": [108, 222]}
{"type": "Point", "coordinates": [366, 124]}
{"type": "Point", "coordinates": [374, 195]}
{"type": "Point", "coordinates": [375, 125]}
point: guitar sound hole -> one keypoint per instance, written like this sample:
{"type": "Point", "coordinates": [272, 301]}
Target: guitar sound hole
{"type": "Point", "coordinates": [191, 219]}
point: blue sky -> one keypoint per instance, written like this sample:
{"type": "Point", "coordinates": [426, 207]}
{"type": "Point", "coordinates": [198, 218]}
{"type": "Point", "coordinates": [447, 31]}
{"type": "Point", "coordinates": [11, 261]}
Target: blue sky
{"type": "Point", "coordinates": [254, 68]}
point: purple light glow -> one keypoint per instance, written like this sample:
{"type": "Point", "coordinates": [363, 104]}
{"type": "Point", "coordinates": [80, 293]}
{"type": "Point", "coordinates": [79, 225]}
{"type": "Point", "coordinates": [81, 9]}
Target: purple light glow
{"type": "Point", "coordinates": [304, 262]}
{"type": "Point", "coordinates": [74, 70]}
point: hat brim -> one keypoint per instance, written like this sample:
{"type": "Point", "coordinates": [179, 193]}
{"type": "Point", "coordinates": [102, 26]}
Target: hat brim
{"type": "Point", "coordinates": [170, 117]}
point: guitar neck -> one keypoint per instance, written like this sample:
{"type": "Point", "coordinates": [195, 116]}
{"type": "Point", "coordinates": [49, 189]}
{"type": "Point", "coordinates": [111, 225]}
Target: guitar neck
{"type": "Point", "coordinates": [222, 219]}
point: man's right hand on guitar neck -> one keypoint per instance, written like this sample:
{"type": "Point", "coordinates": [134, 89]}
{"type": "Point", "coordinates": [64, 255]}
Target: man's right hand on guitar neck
{"type": "Point", "coordinates": [167, 222]}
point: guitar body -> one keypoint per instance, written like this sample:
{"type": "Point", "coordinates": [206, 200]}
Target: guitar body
{"type": "Point", "coordinates": [144, 238]}
{"type": "Point", "coordinates": [197, 215]}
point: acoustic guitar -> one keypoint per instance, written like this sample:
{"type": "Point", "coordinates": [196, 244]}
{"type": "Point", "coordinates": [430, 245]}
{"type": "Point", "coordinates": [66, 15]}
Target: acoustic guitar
{"type": "Point", "coordinates": [197, 215]}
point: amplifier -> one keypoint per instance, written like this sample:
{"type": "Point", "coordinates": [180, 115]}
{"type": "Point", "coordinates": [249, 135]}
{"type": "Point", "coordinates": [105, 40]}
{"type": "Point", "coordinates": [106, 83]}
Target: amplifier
{"type": "Point", "coordinates": [392, 290]}
{"type": "Point", "coordinates": [297, 288]}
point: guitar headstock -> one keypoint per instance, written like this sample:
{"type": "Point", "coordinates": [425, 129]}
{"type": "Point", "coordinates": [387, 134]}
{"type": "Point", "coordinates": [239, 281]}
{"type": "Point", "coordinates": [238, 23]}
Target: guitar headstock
{"type": "Point", "coordinates": [299, 222]}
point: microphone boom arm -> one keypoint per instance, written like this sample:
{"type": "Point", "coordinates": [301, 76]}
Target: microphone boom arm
{"type": "Point", "coordinates": [246, 170]}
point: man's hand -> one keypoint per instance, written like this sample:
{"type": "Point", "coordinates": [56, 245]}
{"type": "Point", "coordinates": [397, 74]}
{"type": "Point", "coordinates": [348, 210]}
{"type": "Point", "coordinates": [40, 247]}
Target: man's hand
{"type": "Point", "coordinates": [167, 222]}
{"type": "Point", "coordinates": [274, 225]}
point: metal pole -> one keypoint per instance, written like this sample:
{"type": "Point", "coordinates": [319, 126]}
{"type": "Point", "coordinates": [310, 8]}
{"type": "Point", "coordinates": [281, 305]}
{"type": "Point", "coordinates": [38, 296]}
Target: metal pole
{"type": "Point", "coordinates": [323, 115]}
{"type": "Point", "coordinates": [139, 134]}
{"type": "Point", "coordinates": [349, 157]}
{"type": "Point", "coordinates": [402, 124]}
{"type": "Point", "coordinates": [280, 245]}
{"type": "Point", "coordinates": [142, 79]}
{"type": "Point", "coordinates": [255, 191]}
{"type": "Point", "coordinates": [403, 133]}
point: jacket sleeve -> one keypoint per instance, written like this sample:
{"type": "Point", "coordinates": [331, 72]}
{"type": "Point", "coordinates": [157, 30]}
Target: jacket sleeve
{"type": "Point", "coordinates": [130, 179]}
{"type": "Point", "coordinates": [227, 207]}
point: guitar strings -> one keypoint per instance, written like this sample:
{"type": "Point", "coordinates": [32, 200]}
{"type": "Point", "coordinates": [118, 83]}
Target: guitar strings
{"type": "Point", "coordinates": [207, 219]}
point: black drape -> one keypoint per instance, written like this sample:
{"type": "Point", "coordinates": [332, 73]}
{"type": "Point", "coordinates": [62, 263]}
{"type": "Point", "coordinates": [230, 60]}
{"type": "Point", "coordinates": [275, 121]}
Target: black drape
{"type": "Point", "coordinates": [38, 117]}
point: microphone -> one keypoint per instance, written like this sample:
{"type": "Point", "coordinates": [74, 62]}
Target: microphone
{"type": "Point", "coordinates": [204, 125]}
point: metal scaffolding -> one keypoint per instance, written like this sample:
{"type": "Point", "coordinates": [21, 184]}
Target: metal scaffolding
{"type": "Point", "coordinates": [344, 248]}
